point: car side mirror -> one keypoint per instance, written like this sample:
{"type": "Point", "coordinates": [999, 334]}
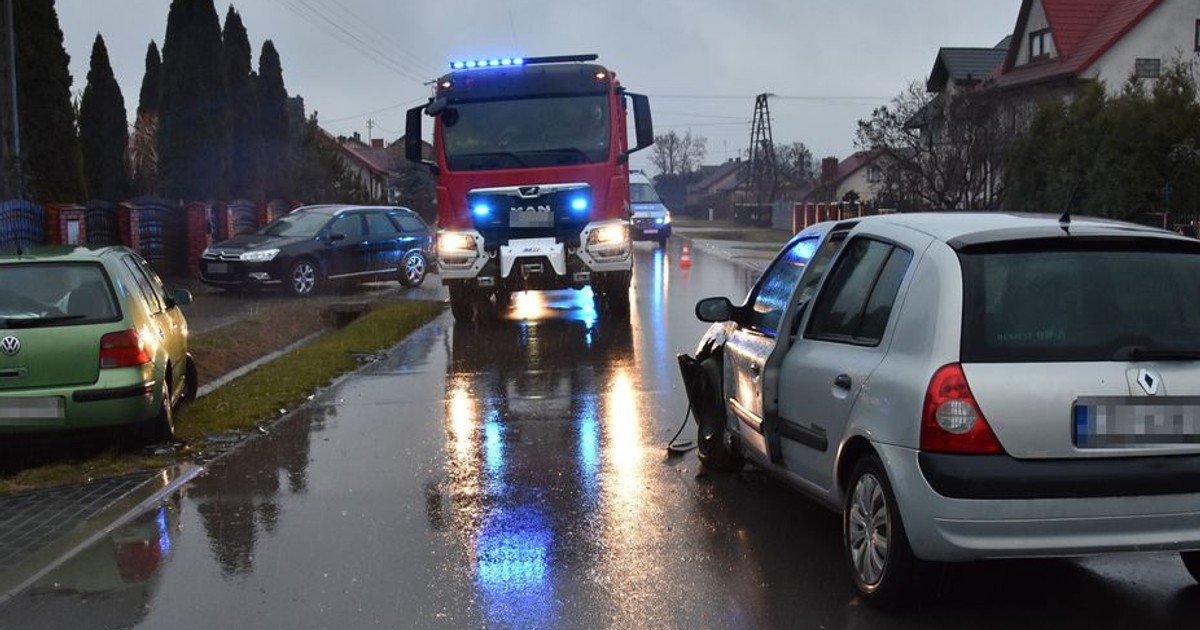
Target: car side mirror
{"type": "Point", "coordinates": [182, 297]}
{"type": "Point", "coordinates": [714, 309]}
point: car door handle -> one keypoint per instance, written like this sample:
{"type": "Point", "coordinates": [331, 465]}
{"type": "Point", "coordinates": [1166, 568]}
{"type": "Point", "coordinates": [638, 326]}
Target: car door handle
{"type": "Point", "coordinates": [842, 381]}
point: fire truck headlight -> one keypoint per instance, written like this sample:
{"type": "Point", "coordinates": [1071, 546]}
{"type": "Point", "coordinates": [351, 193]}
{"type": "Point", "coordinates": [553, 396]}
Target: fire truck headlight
{"type": "Point", "coordinates": [609, 235]}
{"type": "Point", "coordinates": [454, 242]}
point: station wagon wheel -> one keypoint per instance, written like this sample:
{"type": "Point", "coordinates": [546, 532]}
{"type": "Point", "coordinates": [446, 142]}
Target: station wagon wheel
{"type": "Point", "coordinates": [302, 278]}
{"type": "Point", "coordinates": [878, 556]}
{"type": "Point", "coordinates": [1191, 560]}
{"type": "Point", "coordinates": [412, 269]}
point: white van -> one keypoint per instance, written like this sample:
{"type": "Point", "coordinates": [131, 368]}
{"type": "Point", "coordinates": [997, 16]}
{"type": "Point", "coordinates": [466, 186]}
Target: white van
{"type": "Point", "coordinates": [651, 219]}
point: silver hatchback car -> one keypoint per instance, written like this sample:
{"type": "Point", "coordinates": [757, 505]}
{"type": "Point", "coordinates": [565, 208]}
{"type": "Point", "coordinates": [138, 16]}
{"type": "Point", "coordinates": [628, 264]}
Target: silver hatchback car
{"type": "Point", "coordinates": [963, 386]}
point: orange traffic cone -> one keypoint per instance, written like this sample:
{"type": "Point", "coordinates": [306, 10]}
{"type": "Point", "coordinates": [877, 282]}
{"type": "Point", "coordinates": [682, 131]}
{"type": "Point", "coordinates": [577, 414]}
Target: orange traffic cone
{"type": "Point", "coordinates": [685, 260]}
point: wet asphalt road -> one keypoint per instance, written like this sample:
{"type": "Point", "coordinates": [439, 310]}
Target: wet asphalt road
{"type": "Point", "coordinates": [514, 475]}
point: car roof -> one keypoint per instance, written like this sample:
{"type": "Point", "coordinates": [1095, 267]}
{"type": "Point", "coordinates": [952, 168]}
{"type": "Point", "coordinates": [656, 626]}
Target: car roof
{"type": "Point", "coordinates": [58, 253]}
{"type": "Point", "coordinates": [960, 229]}
{"type": "Point", "coordinates": [335, 208]}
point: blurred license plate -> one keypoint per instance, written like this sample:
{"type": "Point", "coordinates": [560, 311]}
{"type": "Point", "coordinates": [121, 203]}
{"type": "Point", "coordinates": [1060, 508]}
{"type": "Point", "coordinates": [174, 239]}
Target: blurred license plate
{"type": "Point", "coordinates": [651, 231]}
{"type": "Point", "coordinates": [1121, 422]}
{"type": "Point", "coordinates": [218, 267]}
{"type": "Point", "coordinates": [32, 408]}
{"type": "Point", "coordinates": [530, 218]}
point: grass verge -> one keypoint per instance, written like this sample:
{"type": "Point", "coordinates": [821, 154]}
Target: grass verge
{"type": "Point", "coordinates": [728, 231]}
{"type": "Point", "coordinates": [250, 400]}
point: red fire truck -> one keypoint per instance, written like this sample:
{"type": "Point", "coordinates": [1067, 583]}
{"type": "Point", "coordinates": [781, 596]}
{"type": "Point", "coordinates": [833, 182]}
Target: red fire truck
{"type": "Point", "coordinates": [532, 163]}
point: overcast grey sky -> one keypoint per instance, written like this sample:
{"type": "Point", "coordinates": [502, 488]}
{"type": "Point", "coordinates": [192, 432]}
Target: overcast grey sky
{"type": "Point", "coordinates": [701, 61]}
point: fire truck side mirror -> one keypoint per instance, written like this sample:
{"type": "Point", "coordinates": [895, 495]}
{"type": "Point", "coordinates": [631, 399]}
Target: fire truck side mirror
{"type": "Point", "coordinates": [412, 139]}
{"type": "Point", "coordinates": [642, 121]}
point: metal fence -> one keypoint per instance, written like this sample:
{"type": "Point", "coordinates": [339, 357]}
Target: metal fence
{"type": "Point", "coordinates": [243, 215]}
{"type": "Point", "coordinates": [23, 223]}
{"type": "Point", "coordinates": [162, 235]}
{"type": "Point", "coordinates": [103, 224]}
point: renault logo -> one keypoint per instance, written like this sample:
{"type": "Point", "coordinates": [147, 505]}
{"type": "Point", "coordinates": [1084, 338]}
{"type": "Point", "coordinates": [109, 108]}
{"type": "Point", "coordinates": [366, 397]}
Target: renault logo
{"type": "Point", "coordinates": [1149, 381]}
{"type": "Point", "coordinates": [10, 346]}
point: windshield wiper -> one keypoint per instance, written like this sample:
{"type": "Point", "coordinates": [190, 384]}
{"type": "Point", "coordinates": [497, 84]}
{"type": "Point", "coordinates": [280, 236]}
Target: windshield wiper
{"type": "Point", "coordinates": [1161, 353]}
{"type": "Point", "coordinates": [38, 322]}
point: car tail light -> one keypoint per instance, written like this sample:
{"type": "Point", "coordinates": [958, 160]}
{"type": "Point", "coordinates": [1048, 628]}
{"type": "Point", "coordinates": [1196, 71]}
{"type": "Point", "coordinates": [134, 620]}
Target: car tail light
{"type": "Point", "coordinates": [123, 349]}
{"type": "Point", "coordinates": [952, 421]}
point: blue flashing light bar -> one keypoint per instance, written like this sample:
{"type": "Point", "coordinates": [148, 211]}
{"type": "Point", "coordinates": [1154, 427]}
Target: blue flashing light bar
{"type": "Point", "coordinates": [481, 210]}
{"type": "Point", "coordinates": [579, 204]}
{"type": "Point", "coordinates": [470, 64]}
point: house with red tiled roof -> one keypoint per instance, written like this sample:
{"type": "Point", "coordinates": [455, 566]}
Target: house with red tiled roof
{"type": "Point", "coordinates": [858, 178]}
{"type": "Point", "coordinates": [1058, 43]}
{"type": "Point", "coordinates": [376, 164]}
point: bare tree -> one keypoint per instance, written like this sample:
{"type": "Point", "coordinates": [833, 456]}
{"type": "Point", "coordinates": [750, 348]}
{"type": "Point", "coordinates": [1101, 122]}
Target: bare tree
{"type": "Point", "coordinates": [675, 155]}
{"type": "Point", "coordinates": [795, 165]}
{"type": "Point", "coordinates": [940, 151]}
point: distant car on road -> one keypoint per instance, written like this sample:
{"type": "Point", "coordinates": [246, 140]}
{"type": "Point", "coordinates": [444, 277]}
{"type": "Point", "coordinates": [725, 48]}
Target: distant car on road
{"type": "Point", "coordinates": [651, 219]}
{"type": "Point", "coordinates": [90, 339]}
{"type": "Point", "coordinates": [314, 245]}
{"type": "Point", "coordinates": [965, 386]}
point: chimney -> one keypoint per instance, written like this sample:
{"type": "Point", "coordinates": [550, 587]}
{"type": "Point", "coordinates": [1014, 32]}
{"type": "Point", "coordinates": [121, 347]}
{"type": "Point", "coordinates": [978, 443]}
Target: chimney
{"type": "Point", "coordinates": [829, 168]}
{"type": "Point", "coordinates": [357, 136]}
{"type": "Point", "coordinates": [376, 143]}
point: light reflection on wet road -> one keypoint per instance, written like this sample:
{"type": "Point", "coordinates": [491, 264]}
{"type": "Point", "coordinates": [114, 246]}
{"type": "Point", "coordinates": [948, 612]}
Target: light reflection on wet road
{"type": "Point", "coordinates": [514, 474]}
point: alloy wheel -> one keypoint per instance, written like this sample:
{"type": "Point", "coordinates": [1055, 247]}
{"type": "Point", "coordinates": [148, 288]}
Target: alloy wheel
{"type": "Point", "coordinates": [869, 529]}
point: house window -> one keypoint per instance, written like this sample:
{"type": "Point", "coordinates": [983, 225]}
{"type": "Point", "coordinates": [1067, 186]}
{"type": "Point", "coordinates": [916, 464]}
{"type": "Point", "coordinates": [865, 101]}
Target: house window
{"type": "Point", "coordinates": [1144, 68]}
{"type": "Point", "coordinates": [874, 174]}
{"type": "Point", "coordinates": [1039, 44]}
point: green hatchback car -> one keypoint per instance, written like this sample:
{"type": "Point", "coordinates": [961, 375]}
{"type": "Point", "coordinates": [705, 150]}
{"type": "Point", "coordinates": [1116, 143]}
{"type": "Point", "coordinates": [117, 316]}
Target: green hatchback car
{"type": "Point", "coordinates": [90, 339]}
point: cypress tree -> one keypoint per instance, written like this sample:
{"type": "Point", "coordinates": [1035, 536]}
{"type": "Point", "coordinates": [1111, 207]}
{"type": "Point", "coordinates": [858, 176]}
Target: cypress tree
{"type": "Point", "coordinates": [103, 135]}
{"type": "Point", "coordinates": [242, 108]}
{"type": "Point", "coordinates": [276, 155]}
{"type": "Point", "coordinates": [144, 154]}
{"type": "Point", "coordinates": [53, 166]}
{"type": "Point", "coordinates": [193, 146]}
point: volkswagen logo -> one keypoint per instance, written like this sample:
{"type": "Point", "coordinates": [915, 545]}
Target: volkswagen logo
{"type": "Point", "coordinates": [10, 346]}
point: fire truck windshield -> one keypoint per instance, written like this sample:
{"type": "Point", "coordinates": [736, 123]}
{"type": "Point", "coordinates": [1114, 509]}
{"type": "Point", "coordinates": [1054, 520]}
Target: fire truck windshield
{"type": "Point", "coordinates": [527, 132]}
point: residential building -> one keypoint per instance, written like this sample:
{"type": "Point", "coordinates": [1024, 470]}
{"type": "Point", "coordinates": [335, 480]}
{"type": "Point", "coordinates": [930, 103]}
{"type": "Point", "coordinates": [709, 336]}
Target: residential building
{"type": "Point", "coordinates": [715, 194]}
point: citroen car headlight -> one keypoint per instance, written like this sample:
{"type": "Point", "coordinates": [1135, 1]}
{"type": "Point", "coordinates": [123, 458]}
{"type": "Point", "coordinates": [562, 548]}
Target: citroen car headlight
{"type": "Point", "coordinates": [261, 255]}
{"type": "Point", "coordinates": [455, 242]}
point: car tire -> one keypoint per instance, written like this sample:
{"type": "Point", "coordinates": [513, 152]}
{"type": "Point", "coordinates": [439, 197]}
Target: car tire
{"type": "Point", "coordinates": [662, 242]}
{"type": "Point", "coordinates": [161, 428]}
{"type": "Point", "coordinates": [875, 545]}
{"type": "Point", "coordinates": [303, 277]}
{"type": "Point", "coordinates": [715, 449]}
{"type": "Point", "coordinates": [1191, 560]}
{"type": "Point", "coordinates": [413, 269]}
{"type": "Point", "coordinates": [191, 382]}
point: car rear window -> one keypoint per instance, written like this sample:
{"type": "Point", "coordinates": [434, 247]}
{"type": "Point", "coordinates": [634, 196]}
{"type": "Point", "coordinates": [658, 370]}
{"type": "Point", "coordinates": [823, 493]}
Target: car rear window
{"type": "Point", "coordinates": [1079, 300]}
{"type": "Point", "coordinates": [54, 294]}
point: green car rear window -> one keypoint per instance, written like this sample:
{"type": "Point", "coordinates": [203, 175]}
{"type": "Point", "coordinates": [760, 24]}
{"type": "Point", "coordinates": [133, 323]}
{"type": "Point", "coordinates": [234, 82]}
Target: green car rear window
{"type": "Point", "coordinates": [1079, 300]}
{"type": "Point", "coordinates": [55, 294]}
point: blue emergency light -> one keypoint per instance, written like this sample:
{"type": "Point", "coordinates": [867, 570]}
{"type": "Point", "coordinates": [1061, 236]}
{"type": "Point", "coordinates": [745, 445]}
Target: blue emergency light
{"type": "Point", "coordinates": [579, 204]}
{"type": "Point", "coordinates": [486, 63]}
{"type": "Point", "coordinates": [481, 210]}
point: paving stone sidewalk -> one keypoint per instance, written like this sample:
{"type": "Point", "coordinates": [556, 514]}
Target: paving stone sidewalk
{"type": "Point", "coordinates": [32, 520]}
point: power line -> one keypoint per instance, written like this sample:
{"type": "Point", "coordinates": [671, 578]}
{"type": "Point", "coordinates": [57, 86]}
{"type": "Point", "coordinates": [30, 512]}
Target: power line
{"type": "Point", "coordinates": [323, 22]}
{"type": "Point", "coordinates": [377, 111]}
{"type": "Point", "coordinates": [389, 40]}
